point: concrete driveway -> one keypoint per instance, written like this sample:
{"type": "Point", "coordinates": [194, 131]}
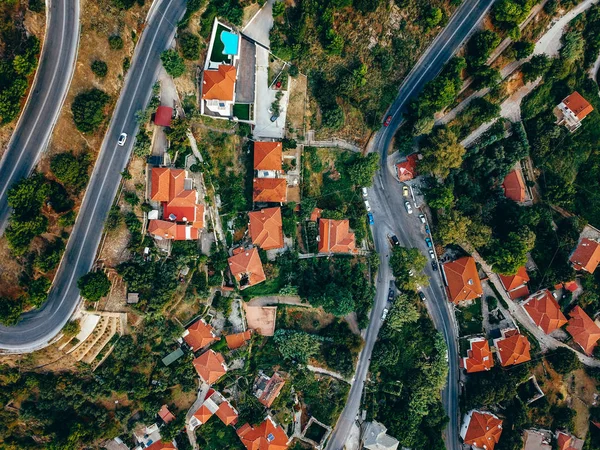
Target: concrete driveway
{"type": "Point", "coordinates": [260, 25]}
{"type": "Point", "coordinates": [264, 98]}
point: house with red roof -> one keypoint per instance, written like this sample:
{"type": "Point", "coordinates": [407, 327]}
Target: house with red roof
{"type": "Point", "coordinates": [512, 348]}
{"type": "Point", "coordinates": [481, 430]}
{"type": "Point", "coordinates": [266, 436]}
{"type": "Point", "coordinates": [267, 389]}
{"type": "Point", "coordinates": [583, 330]}
{"type": "Point", "coordinates": [163, 116]}
{"type": "Point", "coordinates": [182, 215]}
{"type": "Point", "coordinates": [238, 340]}
{"type": "Point", "coordinates": [407, 169]}
{"type": "Point", "coordinates": [214, 404]}
{"type": "Point", "coordinates": [160, 445]}
{"type": "Point", "coordinates": [462, 280]}
{"type": "Point", "coordinates": [269, 184]}
{"type": "Point", "coordinates": [586, 256]}
{"type": "Point", "coordinates": [218, 91]}
{"type": "Point", "coordinates": [266, 228]}
{"type": "Point", "coordinates": [246, 267]}
{"type": "Point", "coordinates": [166, 415]}
{"type": "Point", "coordinates": [199, 335]}
{"type": "Point", "coordinates": [566, 441]}
{"type": "Point", "coordinates": [516, 285]}
{"type": "Point", "coordinates": [268, 156]}
{"type": "Point", "coordinates": [479, 356]}
{"type": "Point", "coordinates": [210, 366]}
{"type": "Point", "coordinates": [514, 186]}
{"type": "Point", "coordinates": [544, 311]}
{"type": "Point", "coordinates": [335, 236]}
{"type": "Point", "coordinates": [572, 110]}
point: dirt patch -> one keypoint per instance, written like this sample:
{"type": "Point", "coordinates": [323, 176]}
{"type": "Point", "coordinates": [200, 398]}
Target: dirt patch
{"type": "Point", "coordinates": [182, 400]}
{"type": "Point", "coordinates": [261, 318]}
{"type": "Point", "coordinates": [10, 270]}
{"type": "Point", "coordinates": [49, 359]}
{"type": "Point", "coordinates": [296, 111]}
{"type": "Point", "coordinates": [310, 320]}
{"type": "Point", "coordinates": [249, 12]}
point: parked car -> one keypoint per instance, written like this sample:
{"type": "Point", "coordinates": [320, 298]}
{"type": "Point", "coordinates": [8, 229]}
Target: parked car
{"type": "Point", "coordinates": [434, 265]}
{"type": "Point", "coordinates": [405, 191]}
{"type": "Point", "coordinates": [427, 229]}
{"type": "Point", "coordinates": [422, 296]}
{"type": "Point", "coordinates": [428, 242]}
{"type": "Point", "coordinates": [122, 139]}
{"type": "Point", "coordinates": [367, 205]}
{"type": "Point", "coordinates": [391, 295]}
{"type": "Point", "coordinates": [370, 218]}
{"type": "Point", "coordinates": [274, 117]}
{"type": "Point", "coordinates": [393, 239]}
{"type": "Point", "coordinates": [364, 192]}
{"type": "Point", "coordinates": [384, 315]}
{"type": "Point", "coordinates": [431, 254]}
{"type": "Point", "coordinates": [387, 122]}
{"type": "Point", "coordinates": [408, 207]}
{"type": "Point", "coordinates": [422, 218]}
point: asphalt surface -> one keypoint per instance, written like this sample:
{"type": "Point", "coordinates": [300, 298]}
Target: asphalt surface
{"type": "Point", "coordinates": [48, 92]}
{"type": "Point", "coordinates": [37, 328]}
{"type": "Point", "coordinates": [390, 217]}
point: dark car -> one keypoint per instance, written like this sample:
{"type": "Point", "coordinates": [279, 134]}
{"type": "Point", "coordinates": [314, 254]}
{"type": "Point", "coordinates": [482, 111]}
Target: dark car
{"type": "Point", "coordinates": [422, 296]}
{"type": "Point", "coordinates": [427, 229]}
{"type": "Point", "coordinates": [391, 295]}
{"type": "Point", "coordinates": [434, 265]}
{"type": "Point", "coordinates": [428, 242]}
{"type": "Point", "coordinates": [387, 122]}
{"type": "Point", "coordinates": [394, 240]}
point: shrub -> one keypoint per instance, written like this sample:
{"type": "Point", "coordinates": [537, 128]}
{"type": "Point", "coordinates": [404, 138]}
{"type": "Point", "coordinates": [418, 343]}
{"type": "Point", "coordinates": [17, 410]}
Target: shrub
{"type": "Point", "coordinates": [190, 45]}
{"type": "Point", "coordinates": [10, 311]}
{"type": "Point", "coordinates": [38, 291]}
{"type": "Point", "coordinates": [173, 63]}
{"type": "Point", "coordinates": [88, 109]}
{"type": "Point", "coordinates": [563, 360]}
{"type": "Point", "coordinates": [67, 219]}
{"type": "Point", "coordinates": [294, 71]}
{"type": "Point", "coordinates": [123, 4]}
{"type": "Point", "coordinates": [142, 144]}
{"type": "Point", "coordinates": [100, 68]}
{"type": "Point", "coordinates": [71, 328]}
{"type": "Point", "coordinates": [49, 258]}
{"type": "Point", "coordinates": [70, 170]}
{"type": "Point", "coordinates": [115, 42]}
{"type": "Point", "coordinates": [94, 285]}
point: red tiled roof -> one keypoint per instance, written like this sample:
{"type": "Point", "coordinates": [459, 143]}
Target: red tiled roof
{"type": "Point", "coordinates": [266, 436]}
{"type": "Point", "coordinates": [513, 348]}
{"type": "Point", "coordinates": [514, 186]}
{"type": "Point", "coordinates": [210, 365]}
{"type": "Point", "coordinates": [571, 286]}
{"type": "Point", "coordinates": [160, 445]}
{"type": "Point", "coordinates": [479, 356]}
{"type": "Point", "coordinates": [269, 190]}
{"type": "Point", "coordinates": [237, 340]}
{"type": "Point", "coordinates": [199, 335]}
{"type": "Point", "coordinates": [203, 414]}
{"type": "Point", "coordinates": [266, 228]}
{"type": "Point", "coordinates": [568, 442]}
{"type": "Point", "coordinates": [544, 311]}
{"type": "Point", "coordinates": [335, 236]}
{"type": "Point", "coordinates": [163, 116]}
{"type": "Point", "coordinates": [315, 214]}
{"type": "Point", "coordinates": [579, 105]}
{"type": "Point", "coordinates": [407, 170]}
{"type": "Point", "coordinates": [166, 415]}
{"type": "Point", "coordinates": [246, 267]}
{"type": "Point", "coordinates": [515, 281]}
{"type": "Point", "coordinates": [483, 431]}
{"type": "Point", "coordinates": [219, 84]}
{"type": "Point", "coordinates": [586, 256]}
{"type": "Point", "coordinates": [161, 180]}
{"type": "Point", "coordinates": [521, 292]}
{"type": "Point", "coordinates": [171, 230]}
{"type": "Point", "coordinates": [273, 387]}
{"type": "Point", "coordinates": [227, 413]}
{"type": "Point", "coordinates": [583, 329]}
{"type": "Point", "coordinates": [462, 279]}
{"type": "Point", "coordinates": [268, 156]}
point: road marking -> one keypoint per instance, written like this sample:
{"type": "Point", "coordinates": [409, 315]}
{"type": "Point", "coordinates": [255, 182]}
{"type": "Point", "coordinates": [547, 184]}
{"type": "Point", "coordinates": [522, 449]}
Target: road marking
{"type": "Point", "coordinates": [62, 35]}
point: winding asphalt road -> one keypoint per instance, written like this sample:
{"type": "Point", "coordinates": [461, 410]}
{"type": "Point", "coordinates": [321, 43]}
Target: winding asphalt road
{"type": "Point", "coordinates": [52, 80]}
{"type": "Point", "coordinates": [37, 328]}
{"type": "Point", "coordinates": [390, 217]}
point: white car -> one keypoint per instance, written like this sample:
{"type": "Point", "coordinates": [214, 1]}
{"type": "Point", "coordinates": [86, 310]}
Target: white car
{"type": "Point", "coordinates": [422, 218]}
{"type": "Point", "coordinates": [405, 191]}
{"type": "Point", "coordinates": [367, 205]}
{"type": "Point", "coordinates": [384, 315]}
{"type": "Point", "coordinates": [408, 207]}
{"type": "Point", "coordinates": [431, 254]}
{"type": "Point", "coordinates": [364, 192]}
{"type": "Point", "coordinates": [122, 139]}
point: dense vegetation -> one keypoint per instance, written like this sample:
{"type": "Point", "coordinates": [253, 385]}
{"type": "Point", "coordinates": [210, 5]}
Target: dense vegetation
{"type": "Point", "coordinates": [88, 109]}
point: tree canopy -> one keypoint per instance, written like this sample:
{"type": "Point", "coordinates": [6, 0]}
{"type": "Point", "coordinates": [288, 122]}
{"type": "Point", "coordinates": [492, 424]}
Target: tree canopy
{"type": "Point", "coordinates": [297, 345]}
{"type": "Point", "coordinates": [363, 169]}
{"type": "Point", "coordinates": [173, 63]}
{"type": "Point", "coordinates": [88, 109]}
{"type": "Point", "coordinates": [441, 152]}
{"type": "Point", "coordinates": [94, 285]}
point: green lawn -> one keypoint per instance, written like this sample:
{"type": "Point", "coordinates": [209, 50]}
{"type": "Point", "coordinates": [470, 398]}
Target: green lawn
{"type": "Point", "coordinates": [242, 111]}
{"type": "Point", "coordinates": [470, 318]}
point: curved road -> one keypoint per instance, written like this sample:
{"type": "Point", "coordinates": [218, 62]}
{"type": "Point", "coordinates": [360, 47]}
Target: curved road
{"type": "Point", "coordinates": [37, 328]}
{"type": "Point", "coordinates": [47, 95]}
{"type": "Point", "coordinates": [390, 217]}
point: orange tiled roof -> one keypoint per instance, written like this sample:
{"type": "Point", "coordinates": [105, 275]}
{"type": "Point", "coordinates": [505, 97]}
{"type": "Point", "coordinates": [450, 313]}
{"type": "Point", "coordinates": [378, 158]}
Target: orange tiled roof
{"type": "Point", "coordinates": [219, 84]}
{"type": "Point", "coordinates": [544, 311]}
{"type": "Point", "coordinates": [515, 281]}
{"type": "Point", "coordinates": [266, 436]}
{"type": "Point", "coordinates": [583, 329]}
{"type": "Point", "coordinates": [227, 413]}
{"type": "Point", "coordinates": [161, 180]}
{"type": "Point", "coordinates": [571, 286]}
{"type": "Point", "coordinates": [484, 430]}
{"type": "Point", "coordinates": [210, 365]}
{"type": "Point", "coordinates": [407, 170]}
{"type": "Point", "coordinates": [271, 391]}
{"type": "Point", "coordinates": [160, 445]}
{"type": "Point", "coordinates": [237, 340]}
{"type": "Point", "coordinates": [567, 442]}
{"type": "Point", "coordinates": [269, 190]}
{"type": "Point", "coordinates": [315, 214]}
{"type": "Point", "coordinates": [199, 335]}
{"type": "Point", "coordinates": [203, 414]}
{"type": "Point", "coordinates": [266, 228]}
{"type": "Point", "coordinates": [586, 256]}
{"type": "Point", "coordinates": [513, 348]}
{"type": "Point", "coordinates": [514, 186]}
{"type": "Point", "coordinates": [247, 268]}
{"type": "Point", "coordinates": [479, 357]}
{"type": "Point", "coordinates": [579, 105]}
{"type": "Point", "coordinates": [335, 236]}
{"type": "Point", "coordinates": [166, 415]}
{"type": "Point", "coordinates": [268, 156]}
{"type": "Point", "coordinates": [521, 292]}
{"type": "Point", "coordinates": [462, 279]}
{"type": "Point", "coordinates": [171, 230]}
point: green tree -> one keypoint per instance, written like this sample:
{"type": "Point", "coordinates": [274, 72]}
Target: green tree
{"type": "Point", "coordinates": [141, 147]}
{"type": "Point", "coordinates": [296, 345]}
{"type": "Point", "coordinates": [537, 66]}
{"type": "Point", "coordinates": [452, 228]}
{"type": "Point", "coordinates": [433, 17]}
{"type": "Point", "coordinates": [507, 255]}
{"type": "Point", "coordinates": [407, 266]}
{"type": "Point", "coordinates": [564, 360]}
{"type": "Point", "coordinates": [115, 42]}
{"type": "Point", "coordinates": [440, 196]}
{"type": "Point", "coordinates": [23, 65]}
{"type": "Point", "coordinates": [94, 285]}
{"type": "Point", "coordinates": [441, 152]}
{"type": "Point", "coordinates": [72, 328]}
{"type": "Point", "coordinates": [49, 257]}
{"type": "Point", "coordinates": [70, 170]}
{"type": "Point", "coordinates": [523, 49]}
{"type": "Point", "coordinates": [173, 63]}
{"type": "Point", "coordinates": [362, 169]}
{"type": "Point", "coordinates": [423, 126]}
{"type": "Point", "coordinates": [480, 47]}
{"type": "Point", "coordinates": [99, 68]}
{"type": "Point", "coordinates": [37, 291]}
{"type": "Point", "coordinates": [190, 45]}
{"type": "Point", "coordinates": [10, 311]}
{"type": "Point", "coordinates": [88, 109]}
{"type": "Point", "coordinates": [403, 311]}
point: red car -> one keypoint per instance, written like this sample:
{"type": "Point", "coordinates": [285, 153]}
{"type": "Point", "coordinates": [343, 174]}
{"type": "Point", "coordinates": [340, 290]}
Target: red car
{"type": "Point", "coordinates": [387, 122]}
